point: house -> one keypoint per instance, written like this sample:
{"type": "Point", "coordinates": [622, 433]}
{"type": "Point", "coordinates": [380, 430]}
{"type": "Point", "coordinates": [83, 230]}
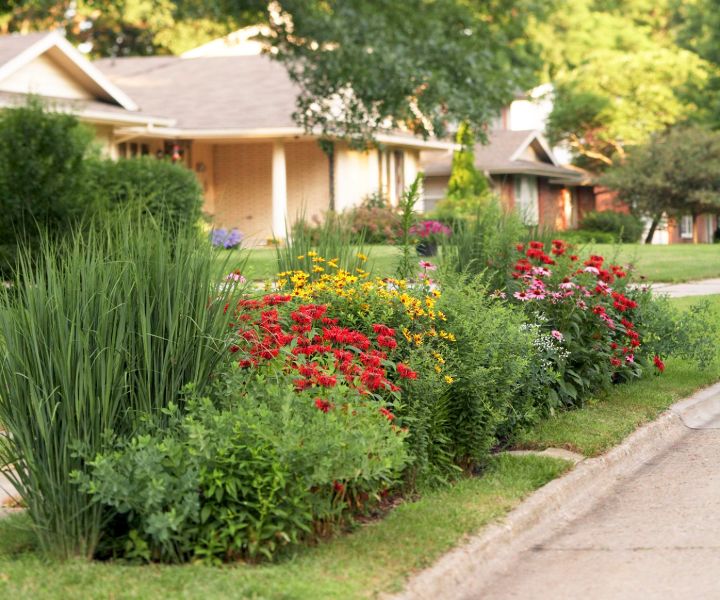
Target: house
{"type": "Point", "coordinates": [526, 175]}
{"type": "Point", "coordinates": [225, 115]}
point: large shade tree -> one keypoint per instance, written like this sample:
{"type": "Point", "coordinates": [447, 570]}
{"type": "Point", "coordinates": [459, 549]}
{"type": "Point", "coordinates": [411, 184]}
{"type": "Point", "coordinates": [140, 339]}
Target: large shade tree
{"type": "Point", "coordinates": [676, 173]}
{"type": "Point", "coordinates": [619, 73]}
{"type": "Point", "coordinates": [422, 65]}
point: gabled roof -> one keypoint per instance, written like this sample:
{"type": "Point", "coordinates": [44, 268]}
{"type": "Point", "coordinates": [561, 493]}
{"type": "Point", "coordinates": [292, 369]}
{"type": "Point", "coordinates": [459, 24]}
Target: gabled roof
{"type": "Point", "coordinates": [16, 51]}
{"type": "Point", "coordinates": [507, 152]}
{"type": "Point", "coordinates": [222, 97]}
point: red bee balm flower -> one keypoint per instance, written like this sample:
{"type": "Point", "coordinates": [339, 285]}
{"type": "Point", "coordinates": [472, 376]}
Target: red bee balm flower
{"type": "Point", "coordinates": [406, 372]}
{"type": "Point", "coordinates": [659, 363]}
{"type": "Point", "coordinates": [323, 405]}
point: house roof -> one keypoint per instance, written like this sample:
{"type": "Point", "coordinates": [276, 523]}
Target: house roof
{"type": "Point", "coordinates": [106, 103]}
{"type": "Point", "coordinates": [238, 92]}
{"type": "Point", "coordinates": [216, 97]}
{"type": "Point", "coordinates": [507, 152]}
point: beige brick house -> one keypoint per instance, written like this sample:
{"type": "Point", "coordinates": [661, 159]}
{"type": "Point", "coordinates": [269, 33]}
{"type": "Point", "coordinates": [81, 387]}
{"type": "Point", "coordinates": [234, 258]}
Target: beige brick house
{"type": "Point", "coordinates": [228, 118]}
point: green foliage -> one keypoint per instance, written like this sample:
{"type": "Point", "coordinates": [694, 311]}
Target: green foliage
{"type": "Point", "coordinates": [465, 179]}
{"type": "Point", "coordinates": [107, 329]}
{"type": "Point", "coordinates": [676, 172]}
{"type": "Point", "coordinates": [170, 193]}
{"type": "Point", "coordinates": [484, 243]}
{"type": "Point", "coordinates": [253, 471]}
{"type": "Point", "coordinates": [461, 65]}
{"type": "Point", "coordinates": [329, 240]}
{"type": "Point", "coordinates": [622, 227]}
{"type": "Point", "coordinates": [42, 170]}
{"type": "Point", "coordinates": [491, 363]}
{"type": "Point", "coordinates": [406, 267]}
{"type": "Point", "coordinates": [619, 76]}
{"type": "Point", "coordinates": [587, 236]}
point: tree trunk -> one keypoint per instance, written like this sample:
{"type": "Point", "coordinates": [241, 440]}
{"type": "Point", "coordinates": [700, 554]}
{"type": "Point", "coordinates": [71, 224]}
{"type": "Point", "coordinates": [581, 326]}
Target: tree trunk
{"type": "Point", "coordinates": [653, 227]}
{"type": "Point", "coordinates": [695, 229]}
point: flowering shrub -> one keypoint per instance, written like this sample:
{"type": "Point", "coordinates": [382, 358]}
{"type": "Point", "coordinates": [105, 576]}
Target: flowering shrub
{"type": "Point", "coordinates": [431, 231]}
{"type": "Point", "coordinates": [223, 238]}
{"type": "Point", "coordinates": [589, 309]}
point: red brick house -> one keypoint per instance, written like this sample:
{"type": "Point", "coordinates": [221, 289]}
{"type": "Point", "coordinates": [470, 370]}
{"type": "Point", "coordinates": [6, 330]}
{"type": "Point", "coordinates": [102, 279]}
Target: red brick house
{"type": "Point", "coordinates": [525, 174]}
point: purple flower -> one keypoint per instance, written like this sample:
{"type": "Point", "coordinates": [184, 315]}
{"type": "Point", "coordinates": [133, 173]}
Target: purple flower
{"type": "Point", "coordinates": [222, 238]}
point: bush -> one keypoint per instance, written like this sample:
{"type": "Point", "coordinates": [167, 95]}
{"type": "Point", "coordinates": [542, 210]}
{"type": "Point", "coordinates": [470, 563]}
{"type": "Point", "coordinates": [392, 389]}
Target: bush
{"type": "Point", "coordinates": [590, 308]}
{"type": "Point", "coordinates": [587, 236]}
{"type": "Point", "coordinates": [623, 227]}
{"type": "Point", "coordinates": [171, 193]}
{"type": "Point", "coordinates": [104, 333]}
{"type": "Point", "coordinates": [42, 176]}
{"type": "Point", "coordinates": [374, 224]}
{"type": "Point", "coordinates": [257, 469]}
{"type": "Point", "coordinates": [491, 363]}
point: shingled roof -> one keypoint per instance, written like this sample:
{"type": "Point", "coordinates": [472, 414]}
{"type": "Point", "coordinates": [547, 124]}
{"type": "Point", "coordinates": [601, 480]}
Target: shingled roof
{"type": "Point", "coordinates": [236, 92]}
{"type": "Point", "coordinates": [507, 152]}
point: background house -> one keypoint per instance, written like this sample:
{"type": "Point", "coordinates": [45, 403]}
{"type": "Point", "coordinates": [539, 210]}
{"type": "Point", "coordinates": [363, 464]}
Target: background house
{"type": "Point", "coordinates": [526, 175]}
{"type": "Point", "coordinates": [226, 117]}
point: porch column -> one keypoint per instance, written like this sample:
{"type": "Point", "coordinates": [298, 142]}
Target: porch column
{"type": "Point", "coordinates": [279, 190]}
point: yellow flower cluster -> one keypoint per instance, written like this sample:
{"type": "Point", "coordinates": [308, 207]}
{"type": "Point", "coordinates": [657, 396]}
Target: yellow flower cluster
{"type": "Point", "coordinates": [358, 287]}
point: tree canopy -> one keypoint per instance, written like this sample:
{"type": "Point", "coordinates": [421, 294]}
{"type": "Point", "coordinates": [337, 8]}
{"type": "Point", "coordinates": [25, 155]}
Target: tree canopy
{"type": "Point", "coordinates": [677, 172]}
{"type": "Point", "coordinates": [620, 75]}
{"type": "Point", "coordinates": [420, 65]}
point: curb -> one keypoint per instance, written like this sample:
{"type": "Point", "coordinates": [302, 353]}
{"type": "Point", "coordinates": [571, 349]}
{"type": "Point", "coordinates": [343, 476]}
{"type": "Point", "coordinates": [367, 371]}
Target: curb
{"type": "Point", "coordinates": [464, 571]}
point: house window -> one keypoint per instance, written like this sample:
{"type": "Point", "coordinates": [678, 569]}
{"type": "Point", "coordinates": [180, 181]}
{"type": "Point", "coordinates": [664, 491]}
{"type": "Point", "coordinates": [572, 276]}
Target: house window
{"type": "Point", "coordinates": [686, 227]}
{"type": "Point", "coordinates": [526, 199]}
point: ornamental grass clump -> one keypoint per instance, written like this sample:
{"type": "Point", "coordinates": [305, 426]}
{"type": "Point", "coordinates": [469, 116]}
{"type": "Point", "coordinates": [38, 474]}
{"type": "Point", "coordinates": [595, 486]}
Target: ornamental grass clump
{"type": "Point", "coordinates": [100, 332]}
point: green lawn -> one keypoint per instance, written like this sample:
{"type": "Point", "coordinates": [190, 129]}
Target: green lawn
{"type": "Point", "coordinates": [261, 263]}
{"type": "Point", "coordinates": [378, 556]}
{"type": "Point", "coordinates": [673, 263]}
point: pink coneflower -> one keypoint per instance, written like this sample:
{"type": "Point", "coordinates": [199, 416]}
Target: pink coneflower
{"type": "Point", "coordinates": [428, 266]}
{"type": "Point", "coordinates": [630, 358]}
{"type": "Point", "coordinates": [557, 335]}
{"type": "Point", "coordinates": [593, 270]}
{"type": "Point", "coordinates": [536, 294]}
{"type": "Point", "coordinates": [234, 276]}
{"type": "Point", "coordinates": [521, 296]}
{"type": "Point", "coordinates": [541, 271]}
{"type": "Point", "coordinates": [567, 285]}
{"type": "Point", "coordinates": [581, 305]}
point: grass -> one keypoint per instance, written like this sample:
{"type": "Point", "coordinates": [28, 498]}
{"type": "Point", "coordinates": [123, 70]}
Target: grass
{"type": "Point", "coordinates": [376, 557]}
{"type": "Point", "coordinates": [262, 263]}
{"type": "Point", "coordinates": [672, 263]}
{"type": "Point", "coordinates": [606, 421]}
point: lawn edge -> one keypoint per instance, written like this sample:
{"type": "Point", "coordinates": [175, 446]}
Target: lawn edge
{"type": "Point", "coordinates": [463, 572]}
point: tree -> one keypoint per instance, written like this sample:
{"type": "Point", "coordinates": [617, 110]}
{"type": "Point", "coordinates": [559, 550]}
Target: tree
{"type": "Point", "coordinates": [465, 179]}
{"type": "Point", "coordinates": [619, 75]}
{"type": "Point", "coordinates": [361, 67]}
{"type": "Point", "coordinates": [676, 173]}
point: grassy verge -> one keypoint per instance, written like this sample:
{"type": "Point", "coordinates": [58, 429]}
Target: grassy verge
{"type": "Point", "coordinates": [376, 557]}
{"type": "Point", "coordinates": [604, 422]}
{"type": "Point", "coordinates": [672, 263]}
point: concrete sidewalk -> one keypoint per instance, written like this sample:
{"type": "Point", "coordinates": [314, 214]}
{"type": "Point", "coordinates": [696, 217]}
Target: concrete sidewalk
{"type": "Point", "coordinates": [703, 287]}
{"type": "Point", "coordinates": [640, 522]}
{"type": "Point", "coordinates": [656, 535]}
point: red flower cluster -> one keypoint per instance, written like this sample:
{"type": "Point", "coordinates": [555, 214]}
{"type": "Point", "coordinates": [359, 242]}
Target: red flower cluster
{"type": "Point", "coordinates": [320, 351]}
